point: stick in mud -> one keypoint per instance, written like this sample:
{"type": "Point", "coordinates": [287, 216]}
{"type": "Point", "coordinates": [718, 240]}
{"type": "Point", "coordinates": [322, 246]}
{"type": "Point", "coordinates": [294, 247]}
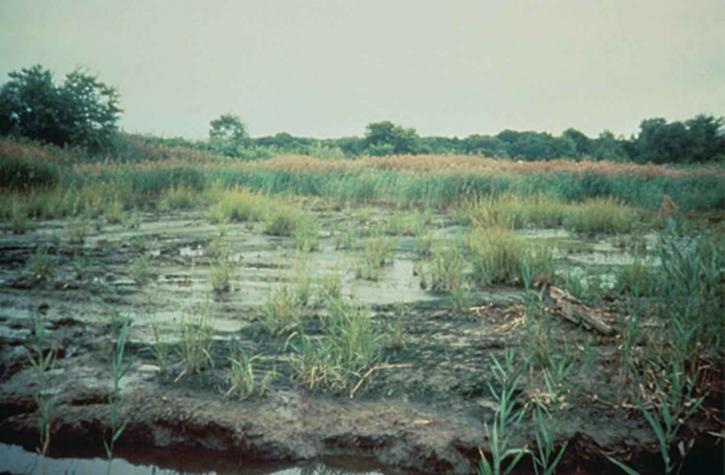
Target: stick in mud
{"type": "Point", "coordinates": [372, 370]}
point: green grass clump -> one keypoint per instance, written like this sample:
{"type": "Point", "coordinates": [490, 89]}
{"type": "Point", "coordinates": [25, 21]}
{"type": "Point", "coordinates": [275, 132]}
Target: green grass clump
{"type": "Point", "coordinates": [179, 197]}
{"type": "Point", "coordinates": [242, 378]}
{"type": "Point", "coordinates": [349, 345]}
{"type": "Point", "coordinates": [18, 217]}
{"type": "Point", "coordinates": [603, 215]}
{"type": "Point", "coordinates": [638, 278]}
{"type": "Point", "coordinates": [77, 229]}
{"type": "Point", "coordinates": [282, 310]}
{"type": "Point", "coordinates": [499, 257]}
{"type": "Point", "coordinates": [140, 269]}
{"type": "Point", "coordinates": [115, 211]}
{"type": "Point", "coordinates": [237, 205]}
{"type": "Point", "coordinates": [444, 272]}
{"type": "Point", "coordinates": [515, 211]}
{"type": "Point", "coordinates": [282, 221]}
{"type": "Point", "coordinates": [221, 273]}
{"type": "Point", "coordinates": [377, 253]}
{"type": "Point", "coordinates": [196, 346]}
{"type": "Point", "coordinates": [306, 233]}
{"type": "Point", "coordinates": [42, 265]}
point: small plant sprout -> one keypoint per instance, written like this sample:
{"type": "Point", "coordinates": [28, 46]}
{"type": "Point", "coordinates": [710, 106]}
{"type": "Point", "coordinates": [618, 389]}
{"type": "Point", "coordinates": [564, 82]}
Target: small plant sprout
{"type": "Point", "coordinates": [196, 344]}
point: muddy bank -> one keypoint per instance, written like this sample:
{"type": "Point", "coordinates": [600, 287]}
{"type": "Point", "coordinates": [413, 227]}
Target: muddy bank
{"type": "Point", "coordinates": [425, 416]}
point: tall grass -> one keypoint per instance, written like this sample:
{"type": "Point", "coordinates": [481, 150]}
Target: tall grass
{"type": "Point", "coordinates": [500, 257]}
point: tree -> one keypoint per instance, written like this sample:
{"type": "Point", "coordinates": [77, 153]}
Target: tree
{"type": "Point", "coordinates": [228, 135]}
{"type": "Point", "coordinates": [386, 138]}
{"type": "Point", "coordinates": [82, 111]}
{"type": "Point", "coordinates": [707, 138]}
{"type": "Point", "coordinates": [582, 143]}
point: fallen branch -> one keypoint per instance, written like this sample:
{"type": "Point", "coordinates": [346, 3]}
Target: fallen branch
{"type": "Point", "coordinates": [575, 311]}
{"type": "Point", "coordinates": [372, 370]}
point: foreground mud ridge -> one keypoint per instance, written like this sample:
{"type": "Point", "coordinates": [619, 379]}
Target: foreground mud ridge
{"type": "Point", "coordinates": [355, 337]}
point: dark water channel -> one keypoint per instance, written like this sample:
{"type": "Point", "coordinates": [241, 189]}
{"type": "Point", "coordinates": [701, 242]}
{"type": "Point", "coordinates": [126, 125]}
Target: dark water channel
{"type": "Point", "coordinates": [143, 461]}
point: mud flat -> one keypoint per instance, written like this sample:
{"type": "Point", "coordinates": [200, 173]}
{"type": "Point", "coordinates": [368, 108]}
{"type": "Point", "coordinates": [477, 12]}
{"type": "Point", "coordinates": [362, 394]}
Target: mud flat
{"type": "Point", "coordinates": [422, 407]}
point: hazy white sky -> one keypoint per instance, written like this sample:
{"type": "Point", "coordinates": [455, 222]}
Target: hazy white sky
{"type": "Point", "coordinates": [328, 67]}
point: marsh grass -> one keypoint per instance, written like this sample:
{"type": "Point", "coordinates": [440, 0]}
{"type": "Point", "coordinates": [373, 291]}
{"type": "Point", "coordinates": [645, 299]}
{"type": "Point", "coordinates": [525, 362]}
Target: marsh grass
{"type": "Point", "coordinates": [603, 215]}
{"type": "Point", "coordinates": [377, 252]}
{"type": "Point", "coordinates": [345, 238]}
{"type": "Point", "coordinates": [140, 269]}
{"type": "Point", "coordinates": [238, 205]}
{"type": "Point", "coordinates": [504, 458]}
{"type": "Point", "coordinates": [115, 211]}
{"type": "Point", "coordinates": [221, 273]}
{"type": "Point", "coordinates": [42, 362]}
{"type": "Point", "coordinates": [117, 424]}
{"type": "Point", "coordinates": [18, 217]}
{"type": "Point", "coordinates": [444, 272]}
{"type": "Point", "coordinates": [498, 257]}
{"type": "Point", "coordinates": [350, 344]}
{"type": "Point", "coordinates": [77, 228]}
{"type": "Point", "coordinates": [638, 279]}
{"type": "Point", "coordinates": [42, 265]}
{"type": "Point", "coordinates": [161, 349]}
{"type": "Point", "coordinates": [282, 310]}
{"type": "Point", "coordinates": [305, 233]}
{"type": "Point", "coordinates": [545, 457]}
{"type": "Point", "coordinates": [243, 378]}
{"type": "Point", "coordinates": [196, 345]}
{"type": "Point", "coordinates": [183, 197]}
{"type": "Point", "coordinates": [281, 221]}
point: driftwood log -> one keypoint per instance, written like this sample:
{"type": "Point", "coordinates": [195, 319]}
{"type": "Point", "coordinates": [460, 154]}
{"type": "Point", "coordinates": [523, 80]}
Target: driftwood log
{"type": "Point", "coordinates": [575, 311]}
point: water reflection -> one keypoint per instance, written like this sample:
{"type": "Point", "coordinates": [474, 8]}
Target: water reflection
{"type": "Point", "coordinates": [15, 460]}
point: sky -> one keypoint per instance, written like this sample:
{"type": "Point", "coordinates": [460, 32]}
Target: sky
{"type": "Point", "coordinates": [327, 68]}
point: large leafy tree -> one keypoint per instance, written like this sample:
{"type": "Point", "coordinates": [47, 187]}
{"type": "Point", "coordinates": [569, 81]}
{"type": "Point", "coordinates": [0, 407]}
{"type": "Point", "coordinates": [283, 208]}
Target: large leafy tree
{"type": "Point", "coordinates": [386, 138]}
{"type": "Point", "coordinates": [228, 135]}
{"type": "Point", "coordinates": [82, 111]}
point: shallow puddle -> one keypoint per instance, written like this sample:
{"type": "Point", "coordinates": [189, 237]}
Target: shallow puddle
{"type": "Point", "coordinates": [141, 461]}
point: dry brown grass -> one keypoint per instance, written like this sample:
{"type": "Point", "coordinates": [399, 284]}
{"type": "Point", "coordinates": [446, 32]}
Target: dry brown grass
{"type": "Point", "coordinates": [473, 165]}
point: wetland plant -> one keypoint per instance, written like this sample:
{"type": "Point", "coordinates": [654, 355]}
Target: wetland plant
{"type": "Point", "coordinates": [305, 233]}
{"type": "Point", "coordinates": [42, 362]}
{"type": "Point", "coordinates": [196, 344]}
{"type": "Point", "coordinates": [444, 273]}
{"type": "Point", "coordinates": [115, 211]}
{"type": "Point", "coordinates": [161, 350]}
{"type": "Point", "coordinates": [281, 221]}
{"type": "Point", "coordinates": [503, 458]}
{"type": "Point", "coordinates": [140, 269]}
{"type": "Point", "coordinates": [498, 257]}
{"type": "Point", "coordinates": [377, 253]}
{"type": "Point", "coordinates": [221, 274]}
{"type": "Point", "coordinates": [345, 238]}
{"type": "Point", "coordinates": [238, 205]}
{"type": "Point", "coordinates": [18, 217]}
{"type": "Point", "coordinates": [242, 378]}
{"type": "Point", "coordinates": [42, 265]}
{"type": "Point", "coordinates": [282, 310]}
{"type": "Point", "coordinates": [349, 345]}
{"type": "Point", "coordinates": [77, 229]}
{"type": "Point", "coordinates": [115, 396]}
{"type": "Point", "coordinates": [545, 457]}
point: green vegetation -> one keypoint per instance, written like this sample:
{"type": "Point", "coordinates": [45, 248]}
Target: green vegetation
{"type": "Point", "coordinates": [377, 253]}
{"type": "Point", "coordinates": [350, 344]}
{"type": "Point", "coordinates": [140, 269]}
{"type": "Point", "coordinates": [500, 257]}
{"type": "Point", "coordinates": [196, 344]}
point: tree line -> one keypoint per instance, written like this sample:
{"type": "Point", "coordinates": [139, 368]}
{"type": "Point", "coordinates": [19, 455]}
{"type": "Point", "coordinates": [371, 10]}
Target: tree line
{"type": "Point", "coordinates": [84, 112]}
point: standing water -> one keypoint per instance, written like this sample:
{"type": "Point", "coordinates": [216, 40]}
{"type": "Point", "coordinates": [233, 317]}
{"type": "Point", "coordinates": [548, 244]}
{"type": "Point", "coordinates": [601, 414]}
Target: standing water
{"type": "Point", "coordinates": [142, 461]}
